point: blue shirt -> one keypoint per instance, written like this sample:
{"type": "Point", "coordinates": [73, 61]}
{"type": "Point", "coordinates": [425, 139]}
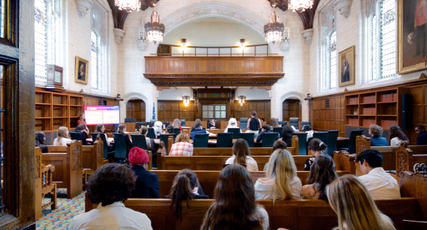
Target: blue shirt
{"type": "Point", "coordinates": [422, 138]}
{"type": "Point", "coordinates": [197, 131]}
{"type": "Point", "coordinates": [259, 137]}
{"type": "Point", "coordinates": [378, 141]}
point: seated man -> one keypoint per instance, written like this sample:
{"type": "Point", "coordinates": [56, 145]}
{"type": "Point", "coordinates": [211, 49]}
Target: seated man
{"type": "Point", "coordinates": [377, 140]}
{"type": "Point", "coordinates": [422, 135]}
{"type": "Point", "coordinates": [108, 187]}
{"type": "Point", "coordinates": [264, 129]}
{"type": "Point", "coordinates": [147, 183]}
{"type": "Point", "coordinates": [379, 183]}
{"type": "Point", "coordinates": [198, 130]}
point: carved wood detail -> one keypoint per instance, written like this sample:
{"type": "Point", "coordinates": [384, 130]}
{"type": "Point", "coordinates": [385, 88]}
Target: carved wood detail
{"type": "Point", "coordinates": [100, 150]}
{"type": "Point", "coordinates": [38, 165]}
{"type": "Point", "coordinates": [76, 156]}
{"type": "Point", "coordinates": [362, 143]}
{"type": "Point", "coordinates": [119, 16]}
{"type": "Point", "coordinates": [402, 154]}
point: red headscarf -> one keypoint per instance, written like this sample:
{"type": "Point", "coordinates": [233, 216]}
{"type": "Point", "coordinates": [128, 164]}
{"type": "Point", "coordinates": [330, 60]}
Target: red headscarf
{"type": "Point", "coordinates": [137, 156]}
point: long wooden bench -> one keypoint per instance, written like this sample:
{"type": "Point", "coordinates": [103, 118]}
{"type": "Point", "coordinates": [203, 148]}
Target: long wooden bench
{"type": "Point", "coordinates": [229, 151]}
{"type": "Point", "coordinates": [213, 162]}
{"type": "Point", "coordinates": [68, 168]}
{"type": "Point", "coordinates": [44, 185]}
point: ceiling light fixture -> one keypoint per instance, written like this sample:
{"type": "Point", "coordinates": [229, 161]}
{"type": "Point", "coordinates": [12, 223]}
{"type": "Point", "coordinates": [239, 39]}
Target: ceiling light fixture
{"type": "Point", "coordinates": [183, 43]}
{"type": "Point", "coordinates": [186, 100]}
{"type": "Point", "coordinates": [128, 5]}
{"type": "Point", "coordinates": [154, 29]}
{"type": "Point", "coordinates": [242, 43]}
{"type": "Point", "coordinates": [300, 5]}
{"type": "Point", "coordinates": [242, 99]}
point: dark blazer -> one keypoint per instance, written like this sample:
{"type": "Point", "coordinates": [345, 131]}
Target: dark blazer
{"type": "Point", "coordinates": [259, 137]}
{"type": "Point", "coordinates": [147, 183]}
{"type": "Point", "coordinates": [196, 131]}
{"type": "Point", "coordinates": [43, 148]}
{"type": "Point", "coordinates": [84, 137]}
{"type": "Point", "coordinates": [129, 144]}
{"type": "Point", "coordinates": [287, 137]}
{"type": "Point", "coordinates": [422, 138]}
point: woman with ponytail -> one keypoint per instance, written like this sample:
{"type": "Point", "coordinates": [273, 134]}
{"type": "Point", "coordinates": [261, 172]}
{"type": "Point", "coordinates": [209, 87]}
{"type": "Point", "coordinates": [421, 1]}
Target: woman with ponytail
{"type": "Point", "coordinates": [315, 146]}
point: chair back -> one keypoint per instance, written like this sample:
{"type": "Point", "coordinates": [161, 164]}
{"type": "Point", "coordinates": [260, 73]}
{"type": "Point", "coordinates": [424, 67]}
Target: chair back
{"type": "Point", "coordinates": [121, 148]}
{"type": "Point", "coordinates": [177, 131]}
{"type": "Point", "coordinates": [130, 120]}
{"type": "Point", "coordinates": [224, 140]}
{"type": "Point", "coordinates": [331, 142]}
{"type": "Point", "coordinates": [249, 137]}
{"type": "Point", "coordinates": [352, 140]}
{"type": "Point", "coordinates": [305, 123]}
{"type": "Point", "coordinates": [201, 140]}
{"type": "Point", "coordinates": [283, 123]}
{"type": "Point", "coordinates": [165, 137]}
{"type": "Point", "coordinates": [151, 134]}
{"type": "Point", "coordinates": [294, 121]}
{"type": "Point", "coordinates": [94, 136]}
{"type": "Point", "coordinates": [278, 130]}
{"type": "Point", "coordinates": [234, 131]}
{"type": "Point", "coordinates": [182, 122]}
{"type": "Point", "coordinates": [105, 145]}
{"type": "Point", "coordinates": [75, 136]}
{"type": "Point", "coordinates": [166, 123]}
{"type": "Point", "coordinates": [302, 143]}
{"type": "Point", "coordinates": [138, 140]}
{"type": "Point", "coordinates": [243, 122]}
{"type": "Point", "coordinates": [323, 136]}
{"type": "Point", "coordinates": [269, 138]}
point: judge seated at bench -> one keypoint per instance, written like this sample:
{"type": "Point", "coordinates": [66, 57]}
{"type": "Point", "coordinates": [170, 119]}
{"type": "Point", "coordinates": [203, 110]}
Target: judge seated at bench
{"type": "Point", "coordinates": [379, 183]}
{"type": "Point", "coordinates": [422, 135]}
{"type": "Point", "coordinates": [376, 132]}
{"type": "Point", "coordinates": [147, 183]}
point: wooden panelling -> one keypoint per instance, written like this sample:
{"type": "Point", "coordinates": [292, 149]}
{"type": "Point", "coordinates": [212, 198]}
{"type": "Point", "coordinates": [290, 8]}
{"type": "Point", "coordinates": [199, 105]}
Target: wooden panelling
{"type": "Point", "coordinates": [170, 110]}
{"type": "Point", "coordinates": [325, 118]}
{"type": "Point", "coordinates": [263, 109]}
{"type": "Point", "coordinates": [291, 108]}
{"type": "Point", "coordinates": [136, 109]}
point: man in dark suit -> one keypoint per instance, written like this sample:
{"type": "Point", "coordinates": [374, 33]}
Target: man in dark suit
{"type": "Point", "coordinates": [422, 135]}
{"type": "Point", "coordinates": [147, 183]}
{"type": "Point", "coordinates": [198, 130]}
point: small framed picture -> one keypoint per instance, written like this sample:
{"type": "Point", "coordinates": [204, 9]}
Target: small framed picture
{"type": "Point", "coordinates": [346, 67]}
{"type": "Point", "coordinates": [82, 70]}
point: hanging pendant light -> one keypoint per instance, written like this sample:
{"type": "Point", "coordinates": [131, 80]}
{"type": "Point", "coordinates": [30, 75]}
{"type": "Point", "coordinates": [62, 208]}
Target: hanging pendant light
{"type": "Point", "coordinates": [300, 5]}
{"type": "Point", "coordinates": [273, 30]}
{"type": "Point", "coordinates": [128, 5]}
{"type": "Point", "coordinates": [154, 29]}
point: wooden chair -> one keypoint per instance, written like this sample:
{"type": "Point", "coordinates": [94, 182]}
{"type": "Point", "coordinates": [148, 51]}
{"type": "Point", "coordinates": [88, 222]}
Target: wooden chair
{"type": "Point", "coordinates": [44, 185]}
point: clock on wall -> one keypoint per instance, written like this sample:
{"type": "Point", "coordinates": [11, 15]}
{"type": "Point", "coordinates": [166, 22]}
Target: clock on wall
{"type": "Point", "coordinates": [54, 77]}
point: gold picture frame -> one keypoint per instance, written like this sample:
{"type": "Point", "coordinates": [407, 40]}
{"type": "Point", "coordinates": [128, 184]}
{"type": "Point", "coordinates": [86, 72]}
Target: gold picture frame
{"type": "Point", "coordinates": [346, 65]}
{"type": "Point", "coordinates": [409, 38]}
{"type": "Point", "coordinates": [81, 74]}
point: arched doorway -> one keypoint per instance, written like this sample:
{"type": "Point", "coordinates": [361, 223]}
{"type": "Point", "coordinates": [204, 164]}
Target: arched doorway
{"type": "Point", "coordinates": [291, 108]}
{"type": "Point", "coordinates": [135, 108]}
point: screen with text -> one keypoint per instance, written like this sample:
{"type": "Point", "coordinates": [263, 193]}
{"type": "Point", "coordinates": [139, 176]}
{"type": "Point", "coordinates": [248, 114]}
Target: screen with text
{"type": "Point", "coordinates": [102, 114]}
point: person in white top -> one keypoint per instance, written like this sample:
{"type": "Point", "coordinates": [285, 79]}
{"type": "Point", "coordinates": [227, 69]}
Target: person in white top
{"type": "Point", "coordinates": [281, 181]}
{"type": "Point", "coordinates": [378, 182]}
{"type": "Point", "coordinates": [348, 197]}
{"type": "Point", "coordinates": [241, 155]}
{"type": "Point", "coordinates": [397, 136]}
{"type": "Point", "coordinates": [232, 123]}
{"type": "Point", "coordinates": [158, 127]}
{"type": "Point", "coordinates": [62, 138]}
{"type": "Point", "coordinates": [105, 190]}
{"type": "Point", "coordinates": [234, 206]}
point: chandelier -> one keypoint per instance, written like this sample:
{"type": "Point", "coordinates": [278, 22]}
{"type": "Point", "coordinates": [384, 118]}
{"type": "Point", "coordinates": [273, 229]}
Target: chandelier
{"type": "Point", "coordinates": [128, 5]}
{"type": "Point", "coordinates": [186, 100]}
{"type": "Point", "coordinates": [154, 29]}
{"type": "Point", "coordinates": [300, 5]}
{"type": "Point", "coordinates": [273, 30]}
{"type": "Point", "coordinates": [242, 99]}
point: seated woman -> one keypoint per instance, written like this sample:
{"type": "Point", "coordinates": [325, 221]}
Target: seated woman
{"type": "Point", "coordinates": [122, 129]}
{"type": "Point", "coordinates": [158, 127]}
{"type": "Point", "coordinates": [322, 173]}
{"type": "Point", "coordinates": [279, 144]}
{"type": "Point", "coordinates": [274, 122]}
{"type": "Point", "coordinates": [182, 146]}
{"type": "Point", "coordinates": [82, 130]}
{"type": "Point", "coordinates": [62, 138]}
{"type": "Point", "coordinates": [40, 142]}
{"type": "Point", "coordinates": [177, 124]}
{"type": "Point", "coordinates": [287, 133]}
{"type": "Point", "coordinates": [144, 131]}
{"type": "Point", "coordinates": [169, 129]}
{"type": "Point", "coordinates": [108, 187]}
{"type": "Point", "coordinates": [100, 128]}
{"type": "Point", "coordinates": [307, 129]}
{"type": "Point", "coordinates": [397, 136]}
{"type": "Point", "coordinates": [281, 181]}
{"type": "Point", "coordinates": [354, 206]}
{"type": "Point", "coordinates": [234, 206]}
{"type": "Point", "coordinates": [241, 155]}
{"type": "Point", "coordinates": [315, 146]}
{"type": "Point", "coordinates": [184, 188]}
{"type": "Point", "coordinates": [376, 133]}
{"type": "Point", "coordinates": [212, 124]}
{"type": "Point", "coordinates": [232, 123]}
{"type": "Point", "coordinates": [147, 183]}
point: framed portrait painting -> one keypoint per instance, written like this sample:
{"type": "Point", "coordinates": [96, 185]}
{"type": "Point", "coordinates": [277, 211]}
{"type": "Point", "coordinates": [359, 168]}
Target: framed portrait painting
{"type": "Point", "coordinates": [82, 70]}
{"type": "Point", "coordinates": [346, 67]}
{"type": "Point", "coordinates": [411, 33]}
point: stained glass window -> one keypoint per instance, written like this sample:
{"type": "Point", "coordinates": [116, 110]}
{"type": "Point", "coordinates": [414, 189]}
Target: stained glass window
{"type": "Point", "coordinates": [94, 59]}
{"type": "Point", "coordinates": [333, 60]}
{"type": "Point", "coordinates": [2, 19]}
{"type": "Point", "coordinates": [40, 26]}
{"type": "Point", "coordinates": [388, 38]}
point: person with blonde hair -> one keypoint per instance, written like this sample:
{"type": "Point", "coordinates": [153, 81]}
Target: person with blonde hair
{"type": "Point", "coordinates": [376, 133]}
{"type": "Point", "coordinates": [158, 127]}
{"type": "Point", "coordinates": [274, 122]}
{"type": "Point", "coordinates": [281, 181]}
{"type": "Point", "coordinates": [62, 138]}
{"type": "Point", "coordinates": [177, 124]}
{"type": "Point", "coordinates": [143, 131]}
{"type": "Point", "coordinates": [241, 155]}
{"type": "Point", "coordinates": [354, 206]}
{"type": "Point", "coordinates": [182, 146]}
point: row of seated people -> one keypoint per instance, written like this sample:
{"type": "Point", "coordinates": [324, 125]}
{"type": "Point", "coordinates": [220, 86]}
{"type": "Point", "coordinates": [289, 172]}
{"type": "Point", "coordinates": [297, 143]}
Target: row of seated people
{"type": "Point", "coordinates": [396, 136]}
{"type": "Point", "coordinates": [235, 196]}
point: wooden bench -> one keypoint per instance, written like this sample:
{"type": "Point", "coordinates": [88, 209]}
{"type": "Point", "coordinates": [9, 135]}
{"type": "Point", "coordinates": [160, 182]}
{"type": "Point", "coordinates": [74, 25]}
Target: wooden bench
{"type": "Point", "coordinates": [44, 185]}
{"type": "Point", "coordinates": [213, 162]}
{"type": "Point", "coordinates": [229, 151]}
{"type": "Point", "coordinates": [407, 157]}
{"type": "Point", "coordinates": [68, 168]}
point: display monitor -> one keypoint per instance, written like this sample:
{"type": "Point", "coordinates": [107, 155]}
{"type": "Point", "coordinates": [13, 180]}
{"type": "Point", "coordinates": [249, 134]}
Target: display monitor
{"type": "Point", "coordinates": [102, 114]}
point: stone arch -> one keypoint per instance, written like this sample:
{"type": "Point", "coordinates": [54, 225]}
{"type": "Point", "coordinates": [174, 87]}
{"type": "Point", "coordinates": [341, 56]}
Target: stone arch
{"type": "Point", "coordinates": [299, 96]}
{"type": "Point", "coordinates": [136, 95]}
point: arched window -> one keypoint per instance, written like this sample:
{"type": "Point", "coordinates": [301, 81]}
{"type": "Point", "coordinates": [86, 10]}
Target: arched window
{"type": "Point", "coordinates": [94, 49]}
{"type": "Point", "coordinates": [333, 60]}
{"type": "Point", "coordinates": [328, 67]}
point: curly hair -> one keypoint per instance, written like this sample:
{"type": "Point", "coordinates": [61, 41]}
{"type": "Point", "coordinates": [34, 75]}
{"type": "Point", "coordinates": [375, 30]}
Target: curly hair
{"type": "Point", "coordinates": [40, 136]}
{"type": "Point", "coordinates": [396, 131]}
{"type": "Point", "coordinates": [182, 137]}
{"type": "Point", "coordinates": [376, 130]}
{"type": "Point", "coordinates": [111, 183]}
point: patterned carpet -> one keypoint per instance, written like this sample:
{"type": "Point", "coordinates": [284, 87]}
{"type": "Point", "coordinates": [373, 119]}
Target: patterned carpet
{"type": "Point", "coordinates": [60, 218]}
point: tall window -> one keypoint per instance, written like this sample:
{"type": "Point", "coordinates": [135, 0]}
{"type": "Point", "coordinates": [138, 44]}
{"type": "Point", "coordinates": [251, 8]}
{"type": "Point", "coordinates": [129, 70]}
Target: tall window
{"type": "Point", "coordinates": [328, 67]}
{"type": "Point", "coordinates": [99, 69]}
{"type": "Point", "coordinates": [2, 19]}
{"type": "Point", "coordinates": [333, 60]}
{"type": "Point", "coordinates": [94, 59]}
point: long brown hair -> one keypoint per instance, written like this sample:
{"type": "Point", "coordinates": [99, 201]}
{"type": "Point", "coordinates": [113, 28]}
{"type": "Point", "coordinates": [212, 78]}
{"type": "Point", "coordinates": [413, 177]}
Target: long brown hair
{"type": "Point", "coordinates": [80, 117]}
{"type": "Point", "coordinates": [241, 150]}
{"type": "Point", "coordinates": [322, 173]}
{"type": "Point", "coordinates": [180, 191]}
{"type": "Point", "coordinates": [234, 206]}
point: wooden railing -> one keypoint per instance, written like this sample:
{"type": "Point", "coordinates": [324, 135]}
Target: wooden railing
{"type": "Point", "coordinates": [216, 51]}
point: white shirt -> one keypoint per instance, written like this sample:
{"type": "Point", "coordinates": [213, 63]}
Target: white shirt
{"type": "Point", "coordinates": [251, 164]}
{"type": "Point", "coordinates": [63, 141]}
{"type": "Point", "coordinates": [111, 217]}
{"type": "Point", "coordinates": [264, 214]}
{"type": "Point", "coordinates": [264, 190]}
{"type": "Point", "coordinates": [309, 134]}
{"type": "Point", "coordinates": [395, 142]}
{"type": "Point", "coordinates": [381, 185]}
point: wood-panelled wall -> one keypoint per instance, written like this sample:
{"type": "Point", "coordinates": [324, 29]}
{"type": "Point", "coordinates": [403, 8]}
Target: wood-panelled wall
{"type": "Point", "coordinates": [263, 109]}
{"type": "Point", "coordinates": [136, 109]}
{"type": "Point", "coordinates": [418, 112]}
{"type": "Point", "coordinates": [169, 110]}
{"type": "Point", "coordinates": [324, 117]}
{"type": "Point", "coordinates": [291, 108]}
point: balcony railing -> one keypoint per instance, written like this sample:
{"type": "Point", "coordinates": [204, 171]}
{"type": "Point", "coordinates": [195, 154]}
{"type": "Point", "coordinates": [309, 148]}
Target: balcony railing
{"type": "Point", "coordinates": [210, 51]}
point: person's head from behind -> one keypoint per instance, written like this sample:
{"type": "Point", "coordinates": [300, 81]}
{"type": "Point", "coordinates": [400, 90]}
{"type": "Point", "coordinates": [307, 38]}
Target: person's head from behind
{"type": "Point", "coordinates": [176, 123]}
{"type": "Point", "coordinates": [63, 132]}
{"type": "Point", "coordinates": [375, 130]}
{"type": "Point", "coordinates": [110, 183]}
{"type": "Point", "coordinates": [121, 128]}
{"type": "Point", "coordinates": [281, 167]}
{"type": "Point", "coordinates": [279, 144]}
{"type": "Point", "coordinates": [194, 181]}
{"type": "Point", "coordinates": [40, 138]}
{"type": "Point", "coordinates": [265, 128]}
{"type": "Point", "coordinates": [253, 114]}
{"type": "Point", "coordinates": [241, 150]}
{"type": "Point", "coordinates": [234, 206]}
{"type": "Point", "coordinates": [287, 129]}
{"type": "Point", "coordinates": [232, 122]}
{"type": "Point", "coordinates": [306, 128]}
{"type": "Point", "coordinates": [369, 159]}
{"type": "Point", "coordinates": [100, 128]}
{"type": "Point", "coordinates": [419, 129]}
{"type": "Point", "coordinates": [322, 173]}
{"type": "Point", "coordinates": [143, 130]}
{"type": "Point", "coordinates": [396, 131]}
{"type": "Point", "coordinates": [182, 137]}
{"type": "Point", "coordinates": [80, 128]}
{"type": "Point", "coordinates": [274, 122]}
{"type": "Point", "coordinates": [198, 125]}
{"type": "Point", "coordinates": [197, 121]}
{"type": "Point", "coordinates": [316, 146]}
{"type": "Point", "coordinates": [182, 190]}
{"type": "Point", "coordinates": [138, 156]}
{"type": "Point", "coordinates": [353, 204]}
{"type": "Point", "coordinates": [169, 129]}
